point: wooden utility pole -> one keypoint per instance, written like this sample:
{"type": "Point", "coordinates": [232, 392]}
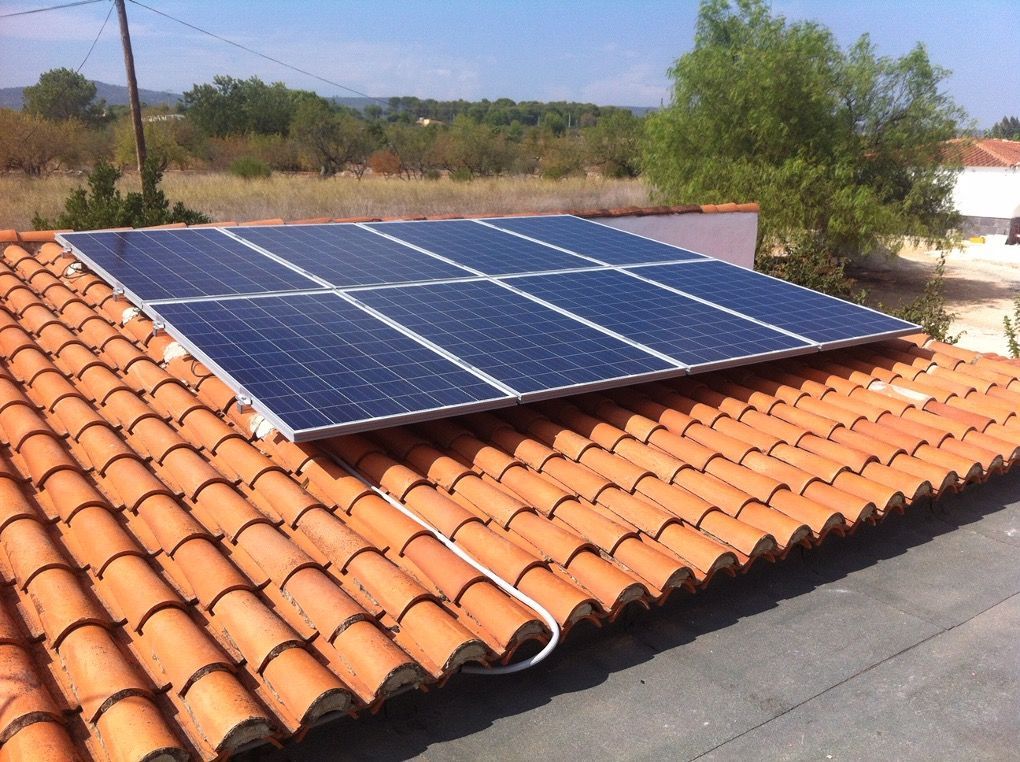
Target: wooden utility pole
{"type": "Point", "coordinates": [129, 65]}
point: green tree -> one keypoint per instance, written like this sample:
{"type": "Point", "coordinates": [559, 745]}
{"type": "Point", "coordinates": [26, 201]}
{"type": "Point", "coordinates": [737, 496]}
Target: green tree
{"type": "Point", "coordinates": [841, 146]}
{"type": "Point", "coordinates": [614, 144]}
{"type": "Point", "coordinates": [171, 142]}
{"type": "Point", "coordinates": [1007, 128]}
{"type": "Point", "coordinates": [230, 106]}
{"type": "Point", "coordinates": [413, 145]}
{"type": "Point", "coordinates": [334, 139]}
{"type": "Point", "coordinates": [64, 94]}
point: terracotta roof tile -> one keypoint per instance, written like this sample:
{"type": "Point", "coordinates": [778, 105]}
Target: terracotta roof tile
{"type": "Point", "coordinates": [205, 589]}
{"type": "Point", "coordinates": [986, 152]}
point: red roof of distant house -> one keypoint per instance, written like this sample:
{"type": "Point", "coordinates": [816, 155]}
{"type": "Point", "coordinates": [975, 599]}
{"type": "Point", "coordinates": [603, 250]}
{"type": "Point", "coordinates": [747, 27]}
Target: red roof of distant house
{"type": "Point", "coordinates": [988, 152]}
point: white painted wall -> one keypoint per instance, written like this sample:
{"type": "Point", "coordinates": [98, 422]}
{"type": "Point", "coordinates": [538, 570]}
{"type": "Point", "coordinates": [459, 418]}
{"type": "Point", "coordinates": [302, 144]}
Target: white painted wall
{"type": "Point", "coordinates": [988, 192]}
{"type": "Point", "coordinates": [729, 236]}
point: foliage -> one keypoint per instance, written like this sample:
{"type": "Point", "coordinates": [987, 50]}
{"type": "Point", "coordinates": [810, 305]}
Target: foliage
{"type": "Point", "coordinates": [35, 145]}
{"type": "Point", "coordinates": [613, 144]}
{"type": "Point", "coordinates": [249, 168]}
{"type": "Point", "coordinates": [413, 146]}
{"type": "Point", "coordinates": [928, 309]}
{"type": "Point", "coordinates": [333, 139]}
{"type": "Point", "coordinates": [472, 149]}
{"type": "Point", "coordinates": [103, 205]}
{"type": "Point", "coordinates": [384, 162]}
{"type": "Point", "coordinates": [807, 262]}
{"type": "Point", "coordinates": [840, 144]}
{"type": "Point", "coordinates": [230, 106]}
{"type": "Point", "coordinates": [1011, 325]}
{"type": "Point", "coordinates": [280, 153]}
{"type": "Point", "coordinates": [62, 94]}
{"type": "Point", "coordinates": [561, 157]}
{"type": "Point", "coordinates": [170, 142]}
{"type": "Point", "coordinates": [1007, 128]}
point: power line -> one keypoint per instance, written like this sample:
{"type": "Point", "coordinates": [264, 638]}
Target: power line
{"type": "Point", "coordinates": [50, 8]}
{"type": "Point", "coordinates": [260, 55]}
{"type": "Point", "coordinates": [93, 45]}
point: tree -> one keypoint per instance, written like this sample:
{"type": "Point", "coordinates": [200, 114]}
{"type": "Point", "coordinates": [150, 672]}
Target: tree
{"type": "Point", "coordinates": [231, 106]}
{"type": "Point", "coordinates": [843, 146]}
{"type": "Point", "coordinates": [414, 147]}
{"type": "Point", "coordinates": [614, 144]}
{"type": "Point", "coordinates": [333, 139]}
{"type": "Point", "coordinates": [1007, 128]}
{"type": "Point", "coordinates": [63, 94]}
{"type": "Point", "coordinates": [34, 145]}
{"type": "Point", "coordinates": [170, 141]}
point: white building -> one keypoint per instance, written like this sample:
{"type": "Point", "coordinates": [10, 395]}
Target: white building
{"type": "Point", "coordinates": [987, 192]}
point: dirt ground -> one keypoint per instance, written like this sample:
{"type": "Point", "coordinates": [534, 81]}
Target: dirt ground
{"type": "Point", "coordinates": [980, 283]}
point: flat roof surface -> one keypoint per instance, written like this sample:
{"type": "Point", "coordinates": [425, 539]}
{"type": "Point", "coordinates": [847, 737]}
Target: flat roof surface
{"type": "Point", "coordinates": [899, 642]}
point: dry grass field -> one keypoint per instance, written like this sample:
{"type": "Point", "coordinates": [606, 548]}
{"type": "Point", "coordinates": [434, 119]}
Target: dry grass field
{"type": "Point", "coordinates": [224, 197]}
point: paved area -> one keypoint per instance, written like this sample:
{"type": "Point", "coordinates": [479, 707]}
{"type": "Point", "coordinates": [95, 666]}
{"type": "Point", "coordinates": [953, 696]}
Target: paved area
{"type": "Point", "coordinates": [900, 642]}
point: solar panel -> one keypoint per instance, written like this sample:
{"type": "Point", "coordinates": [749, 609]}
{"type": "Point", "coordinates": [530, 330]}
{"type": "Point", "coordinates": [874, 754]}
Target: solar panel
{"type": "Point", "coordinates": [527, 346]}
{"type": "Point", "coordinates": [816, 316]}
{"type": "Point", "coordinates": [592, 239]}
{"type": "Point", "coordinates": [347, 255]}
{"type": "Point", "coordinates": [489, 251]}
{"type": "Point", "coordinates": [342, 328]}
{"type": "Point", "coordinates": [318, 365]}
{"type": "Point", "coordinates": [691, 332]}
{"type": "Point", "coordinates": [165, 264]}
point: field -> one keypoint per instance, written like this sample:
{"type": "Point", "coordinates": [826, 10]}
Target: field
{"type": "Point", "coordinates": [224, 197]}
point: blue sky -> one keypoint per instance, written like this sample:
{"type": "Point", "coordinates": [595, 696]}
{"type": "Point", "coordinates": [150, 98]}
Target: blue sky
{"type": "Point", "coordinates": [591, 50]}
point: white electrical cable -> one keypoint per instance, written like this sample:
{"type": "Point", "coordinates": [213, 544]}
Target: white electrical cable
{"type": "Point", "coordinates": [501, 583]}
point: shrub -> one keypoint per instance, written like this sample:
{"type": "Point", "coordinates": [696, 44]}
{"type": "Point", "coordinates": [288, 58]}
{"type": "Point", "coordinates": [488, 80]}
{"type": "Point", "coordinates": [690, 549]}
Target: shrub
{"type": "Point", "coordinates": [36, 145]}
{"type": "Point", "coordinates": [384, 162]}
{"type": "Point", "coordinates": [1012, 329]}
{"type": "Point", "coordinates": [807, 262]}
{"type": "Point", "coordinates": [250, 168]}
{"type": "Point", "coordinates": [103, 206]}
{"type": "Point", "coordinates": [928, 310]}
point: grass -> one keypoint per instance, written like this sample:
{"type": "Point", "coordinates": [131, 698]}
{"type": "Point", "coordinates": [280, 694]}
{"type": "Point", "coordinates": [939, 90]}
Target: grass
{"type": "Point", "coordinates": [224, 197]}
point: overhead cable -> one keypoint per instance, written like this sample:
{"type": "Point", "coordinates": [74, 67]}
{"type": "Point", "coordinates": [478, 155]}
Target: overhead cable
{"type": "Point", "coordinates": [93, 45]}
{"type": "Point", "coordinates": [50, 8]}
{"type": "Point", "coordinates": [259, 54]}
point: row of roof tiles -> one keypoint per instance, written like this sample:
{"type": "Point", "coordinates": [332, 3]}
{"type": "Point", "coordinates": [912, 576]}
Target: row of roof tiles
{"type": "Point", "coordinates": [986, 152]}
{"type": "Point", "coordinates": [181, 580]}
{"type": "Point", "coordinates": [11, 235]}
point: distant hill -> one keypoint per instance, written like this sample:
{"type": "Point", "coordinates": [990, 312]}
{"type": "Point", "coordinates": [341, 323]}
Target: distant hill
{"type": "Point", "coordinates": [115, 95]}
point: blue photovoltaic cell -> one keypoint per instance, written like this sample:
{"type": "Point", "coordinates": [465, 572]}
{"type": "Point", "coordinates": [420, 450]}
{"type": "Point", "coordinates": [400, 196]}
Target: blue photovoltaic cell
{"type": "Point", "coordinates": [816, 316]}
{"type": "Point", "coordinates": [606, 244]}
{"type": "Point", "coordinates": [176, 264]}
{"type": "Point", "coordinates": [526, 345]}
{"type": "Point", "coordinates": [347, 255]}
{"type": "Point", "coordinates": [692, 332]}
{"type": "Point", "coordinates": [489, 251]}
{"type": "Point", "coordinates": [317, 361]}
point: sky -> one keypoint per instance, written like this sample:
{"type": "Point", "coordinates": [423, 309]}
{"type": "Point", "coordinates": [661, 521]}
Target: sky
{"type": "Point", "coordinates": [609, 53]}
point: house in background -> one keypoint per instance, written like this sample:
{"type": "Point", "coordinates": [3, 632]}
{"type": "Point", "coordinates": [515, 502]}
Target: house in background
{"type": "Point", "coordinates": [987, 192]}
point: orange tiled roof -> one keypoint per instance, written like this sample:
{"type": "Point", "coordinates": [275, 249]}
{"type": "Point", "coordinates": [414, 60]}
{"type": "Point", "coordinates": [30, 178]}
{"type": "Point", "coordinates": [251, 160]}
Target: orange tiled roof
{"type": "Point", "coordinates": [179, 579]}
{"type": "Point", "coordinates": [987, 152]}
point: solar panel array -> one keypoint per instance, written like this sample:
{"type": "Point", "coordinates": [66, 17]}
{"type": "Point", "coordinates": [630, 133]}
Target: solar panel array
{"type": "Point", "coordinates": [338, 328]}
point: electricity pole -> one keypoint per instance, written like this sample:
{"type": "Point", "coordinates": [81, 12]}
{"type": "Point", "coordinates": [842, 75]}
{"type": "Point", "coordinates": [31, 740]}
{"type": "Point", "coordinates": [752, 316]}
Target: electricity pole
{"type": "Point", "coordinates": [129, 65]}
